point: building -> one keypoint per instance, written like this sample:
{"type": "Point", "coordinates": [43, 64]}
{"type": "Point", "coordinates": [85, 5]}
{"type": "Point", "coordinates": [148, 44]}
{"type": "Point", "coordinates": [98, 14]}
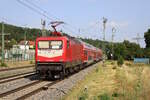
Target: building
{"type": "Point", "coordinates": [25, 45]}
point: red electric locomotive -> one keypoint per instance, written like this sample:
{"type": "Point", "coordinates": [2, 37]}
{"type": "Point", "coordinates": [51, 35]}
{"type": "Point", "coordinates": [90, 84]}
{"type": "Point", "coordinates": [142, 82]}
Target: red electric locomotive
{"type": "Point", "coordinates": [55, 55]}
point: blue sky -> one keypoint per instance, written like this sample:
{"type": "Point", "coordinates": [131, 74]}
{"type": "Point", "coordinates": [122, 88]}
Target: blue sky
{"type": "Point", "coordinates": [128, 16]}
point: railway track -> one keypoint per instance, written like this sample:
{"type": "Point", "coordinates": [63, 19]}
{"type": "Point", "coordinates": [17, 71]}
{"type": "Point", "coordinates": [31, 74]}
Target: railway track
{"type": "Point", "coordinates": [28, 88]}
{"type": "Point", "coordinates": [8, 69]}
{"type": "Point", "coordinates": [19, 88]}
{"type": "Point", "coordinates": [37, 90]}
{"type": "Point", "coordinates": [15, 77]}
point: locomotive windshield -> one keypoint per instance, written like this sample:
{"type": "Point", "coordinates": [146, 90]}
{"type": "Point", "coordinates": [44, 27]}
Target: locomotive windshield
{"type": "Point", "coordinates": [56, 44]}
{"type": "Point", "coordinates": [43, 44]}
{"type": "Point", "coordinates": [50, 44]}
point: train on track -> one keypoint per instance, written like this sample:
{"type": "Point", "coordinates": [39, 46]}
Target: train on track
{"type": "Point", "coordinates": [59, 55]}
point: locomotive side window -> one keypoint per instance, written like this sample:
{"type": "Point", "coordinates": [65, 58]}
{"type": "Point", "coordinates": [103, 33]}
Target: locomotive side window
{"type": "Point", "coordinates": [55, 44]}
{"type": "Point", "coordinates": [67, 43]}
{"type": "Point", "coordinates": [43, 44]}
{"type": "Point", "coordinates": [85, 53]}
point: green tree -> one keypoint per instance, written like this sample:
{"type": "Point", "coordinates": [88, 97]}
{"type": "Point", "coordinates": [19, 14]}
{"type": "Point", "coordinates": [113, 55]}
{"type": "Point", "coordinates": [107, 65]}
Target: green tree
{"type": "Point", "coordinates": [147, 38]}
{"type": "Point", "coordinates": [119, 50]}
{"type": "Point", "coordinates": [147, 52]}
{"type": "Point", "coordinates": [132, 50]}
{"type": "Point", "coordinates": [10, 43]}
{"type": "Point", "coordinates": [120, 60]}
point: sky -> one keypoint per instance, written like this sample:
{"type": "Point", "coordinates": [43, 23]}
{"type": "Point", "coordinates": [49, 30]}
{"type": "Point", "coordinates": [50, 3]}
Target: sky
{"type": "Point", "coordinates": [129, 17]}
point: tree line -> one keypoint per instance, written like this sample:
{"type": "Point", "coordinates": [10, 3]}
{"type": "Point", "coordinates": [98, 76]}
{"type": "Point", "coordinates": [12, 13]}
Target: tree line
{"type": "Point", "coordinates": [126, 49]}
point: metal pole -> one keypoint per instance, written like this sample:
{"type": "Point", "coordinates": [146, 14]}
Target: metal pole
{"type": "Point", "coordinates": [3, 44]}
{"type": "Point", "coordinates": [104, 27]}
{"type": "Point", "coordinates": [25, 43]}
{"type": "Point", "coordinates": [113, 31]}
{"type": "Point", "coordinates": [43, 22]}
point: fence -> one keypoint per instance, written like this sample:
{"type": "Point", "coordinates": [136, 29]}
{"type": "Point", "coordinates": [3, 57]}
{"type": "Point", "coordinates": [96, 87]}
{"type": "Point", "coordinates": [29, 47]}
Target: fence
{"type": "Point", "coordinates": [141, 60]}
{"type": "Point", "coordinates": [19, 55]}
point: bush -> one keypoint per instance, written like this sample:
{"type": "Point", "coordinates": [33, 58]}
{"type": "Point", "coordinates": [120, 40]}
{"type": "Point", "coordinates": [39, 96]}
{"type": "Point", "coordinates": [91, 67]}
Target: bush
{"type": "Point", "coordinates": [97, 69]}
{"type": "Point", "coordinates": [104, 97]}
{"type": "Point", "coordinates": [114, 67]}
{"type": "Point", "coordinates": [31, 62]}
{"type": "Point", "coordinates": [120, 61]}
{"type": "Point", "coordinates": [83, 96]}
{"type": "Point", "coordinates": [3, 64]}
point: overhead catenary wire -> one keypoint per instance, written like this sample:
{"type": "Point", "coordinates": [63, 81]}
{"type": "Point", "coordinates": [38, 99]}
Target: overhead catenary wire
{"type": "Point", "coordinates": [40, 11]}
{"type": "Point", "coordinates": [33, 9]}
{"type": "Point", "coordinates": [44, 11]}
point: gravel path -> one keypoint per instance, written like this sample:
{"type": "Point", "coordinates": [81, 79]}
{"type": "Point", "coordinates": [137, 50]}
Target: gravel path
{"type": "Point", "coordinates": [60, 89]}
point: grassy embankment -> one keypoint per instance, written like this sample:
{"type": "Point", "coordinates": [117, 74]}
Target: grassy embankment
{"type": "Point", "coordinates": [129, 82]}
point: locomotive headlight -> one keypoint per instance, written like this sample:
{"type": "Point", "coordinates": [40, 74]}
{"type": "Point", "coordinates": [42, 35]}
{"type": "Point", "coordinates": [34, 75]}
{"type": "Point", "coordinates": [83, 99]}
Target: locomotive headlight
{"type": "Point", "coordinates": [61, 60]}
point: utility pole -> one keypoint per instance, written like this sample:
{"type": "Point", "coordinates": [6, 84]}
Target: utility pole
{"type": "Point", "coordinates": [25, 41]}
{"type": "Point", "coordinates": [104, 28]}
{"type": "Point", "coordinates": [43, 23]}
{"type": "Point", "coordinates": [113, 31]}
{"type": "Point", "coordinates": [138, 38]}
{"type": "Point", "coordinates": [3, 43]}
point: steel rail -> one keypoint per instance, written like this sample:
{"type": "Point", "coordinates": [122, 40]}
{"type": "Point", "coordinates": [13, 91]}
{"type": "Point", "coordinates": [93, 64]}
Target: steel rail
{"type": "Point", "coordinates": [15, 77]}
{"type": "Point", "coordinates": [15, 68]}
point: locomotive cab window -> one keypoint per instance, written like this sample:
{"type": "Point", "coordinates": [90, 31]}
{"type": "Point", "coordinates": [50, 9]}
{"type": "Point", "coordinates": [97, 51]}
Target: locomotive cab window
{"type": "Point", "coordinates": [55, 44]}
{"type": "Point", "coordinates": [50, 44]}
{"type": "Point", "coordinates": [85, 52]}
{"type": "Point", "coordinates": [43, 44]}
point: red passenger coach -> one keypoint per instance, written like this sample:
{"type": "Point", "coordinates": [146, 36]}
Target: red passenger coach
{"type": "Point", "coordinates": [90, 53]}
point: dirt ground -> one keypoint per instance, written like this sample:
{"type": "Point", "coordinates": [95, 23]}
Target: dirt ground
{"type": "Point", "coordinates": [112, 82]}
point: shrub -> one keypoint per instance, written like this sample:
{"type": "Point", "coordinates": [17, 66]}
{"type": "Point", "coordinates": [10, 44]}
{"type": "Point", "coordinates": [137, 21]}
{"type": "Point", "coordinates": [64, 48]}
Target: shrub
{"type": "Point", "coordinates": [129, 64]}
{"type": "Point", "coordinates": [31, 62]}
{"type": "Point", "coordinates": [120, 61]}
{"type": "Point", "coordinates": [97, 69]}
{"type": "Point", "coordinates": [3, 64]}
{"type": "Point", "coordinates": [83, 96]}
{"type": "Point", "coordinates": [104, 97]}
{"type": "Point", "coordinates": [114, 67]}
{"type": "Point", "coordinates": [115, 94]}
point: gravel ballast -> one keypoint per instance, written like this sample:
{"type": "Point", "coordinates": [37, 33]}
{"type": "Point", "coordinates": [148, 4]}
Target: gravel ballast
{"type": "Point", "coordinates": [57, 91]}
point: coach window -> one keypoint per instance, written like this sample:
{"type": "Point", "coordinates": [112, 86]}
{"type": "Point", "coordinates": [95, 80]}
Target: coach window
{"type": "Point", "coordinates": [68, 43]}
